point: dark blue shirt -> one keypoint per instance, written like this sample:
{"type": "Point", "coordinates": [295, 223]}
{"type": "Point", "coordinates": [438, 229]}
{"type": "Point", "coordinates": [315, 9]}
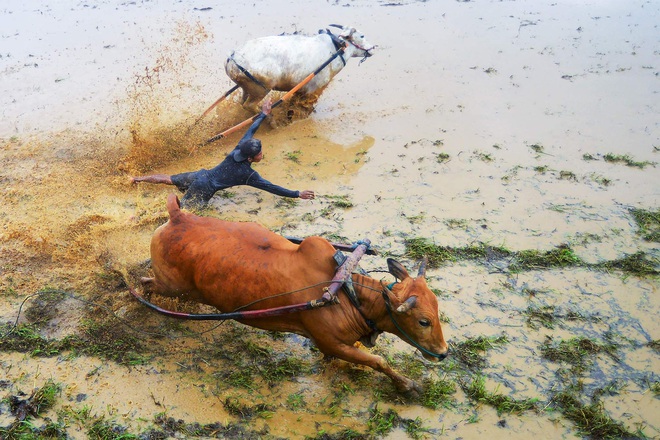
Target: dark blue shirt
{"type": "Point", "coordinates": [200, 186]}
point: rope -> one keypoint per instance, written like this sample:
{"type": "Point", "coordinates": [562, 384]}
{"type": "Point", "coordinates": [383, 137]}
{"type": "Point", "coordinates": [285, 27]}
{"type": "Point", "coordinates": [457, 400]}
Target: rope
{"type": "Point", "coordinates": [277, 295]}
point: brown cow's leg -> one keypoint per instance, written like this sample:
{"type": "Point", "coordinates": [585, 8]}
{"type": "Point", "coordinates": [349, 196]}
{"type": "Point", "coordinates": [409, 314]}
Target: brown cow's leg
{"type": "Point", "coordinates": [353, 354]}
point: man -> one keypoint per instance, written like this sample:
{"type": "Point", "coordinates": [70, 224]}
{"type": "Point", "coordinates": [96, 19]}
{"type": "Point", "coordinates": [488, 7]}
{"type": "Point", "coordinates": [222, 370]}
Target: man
{"type": "Point", "coordinates": [236, 169]}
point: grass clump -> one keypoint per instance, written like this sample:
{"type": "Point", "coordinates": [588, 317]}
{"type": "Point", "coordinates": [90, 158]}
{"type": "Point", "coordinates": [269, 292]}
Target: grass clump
{"type": "Point", "coordinates": [341, 201]}
{"type": "Point", "coordinates": [538, 148]}
{"type": "Point", "coordinates": [549, 317]}
{"type": "Point", "coordinates": [381, 423]}
{"type": "Point", "coordinates": [277, 370]}
{"type": "Point", "coordinates": [577, 352]}
{"type": "Point", "coordinates": [591, 420]}
{"type": "Point", "coordinates": [293, 156]}
{"type": "Point", "coordinates": [102, 429]}
{"type": "Point", "coordinates": [541, 317]}
{"type": "Point", "coordinates": [442, 157]}
{"type": "Point", "coordinates": [655, 388]}
{"type": "Point", "coordinates": [109, 341]}
{"type": "Point", "coordinates": [246, 412]}
{"type": "Point", "coordinates": [561, 256]}
{"type": "Point", "coordinates": [437, 393]}
{"type": "Point", "coordinates": [648, 223]}
{"type": "Point", "coordinates": [567, 175]}
{"type": "Point", "coordinates": [106, 341]}
{"type": "Point", "coordinates": [173, 428]}
{"type": "Point", "coordinates": [24, 410]}
{"type": "Point", "coordinates": [476, 390]}
{"type": "Point", "coordinates": [626, 159]}
{"type": "Point", "coordinates": [418, 248]}
{"type": "Point", "coordinates": [635, 264]}
{"type": "Point", "coordinates": [469, 352]}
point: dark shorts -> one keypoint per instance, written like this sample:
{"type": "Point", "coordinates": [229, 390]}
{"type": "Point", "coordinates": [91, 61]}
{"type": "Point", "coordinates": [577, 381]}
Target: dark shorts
{"type": "Point", "coordinates": [196, 185]}
{"type": "Point", "coordinates": [184, 180]}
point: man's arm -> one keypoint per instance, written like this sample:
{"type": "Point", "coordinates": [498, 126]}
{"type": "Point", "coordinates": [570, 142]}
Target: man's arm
{"type": "Point", "coordinates": [256, 181]}
{"type": "Point", "coordinates": [265, 111]}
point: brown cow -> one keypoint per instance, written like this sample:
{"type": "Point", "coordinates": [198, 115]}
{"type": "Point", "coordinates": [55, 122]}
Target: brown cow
{"type": "Point", "coordinates": [231, 264]}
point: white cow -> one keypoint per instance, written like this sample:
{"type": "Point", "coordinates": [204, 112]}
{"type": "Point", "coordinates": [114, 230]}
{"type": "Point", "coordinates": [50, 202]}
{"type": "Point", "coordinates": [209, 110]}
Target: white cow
{"type": "Point", "coordinates": [281, 62]}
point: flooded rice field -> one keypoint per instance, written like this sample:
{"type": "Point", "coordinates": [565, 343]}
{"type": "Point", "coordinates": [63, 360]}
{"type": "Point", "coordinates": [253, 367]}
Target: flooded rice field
{"type": "Point", "coordinates": [515, 144]}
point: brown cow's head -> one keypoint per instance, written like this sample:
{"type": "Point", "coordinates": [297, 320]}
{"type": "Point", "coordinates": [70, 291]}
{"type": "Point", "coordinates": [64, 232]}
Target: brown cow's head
{"type": "Point", "coordinates": [415, 312]}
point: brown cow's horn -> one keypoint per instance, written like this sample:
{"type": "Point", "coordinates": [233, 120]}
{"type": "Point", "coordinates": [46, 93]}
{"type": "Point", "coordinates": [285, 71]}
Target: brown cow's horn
{"type": "Point", "coordinates": [407, 305]}
{"type": "Point", "coordinates": [422, 267]}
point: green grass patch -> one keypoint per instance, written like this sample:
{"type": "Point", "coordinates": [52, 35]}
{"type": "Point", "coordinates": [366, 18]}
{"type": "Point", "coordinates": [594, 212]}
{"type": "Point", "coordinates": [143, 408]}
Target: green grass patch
{"type": "Point", "coordinates": [654, 345]}
{"type": "Point", "coordinates": [549, 317]}
{"type": "Point", "coordinates": [177, 428]}
{"type": "Point", "coordinates": [104, 340]}
{"type": "Point", "coordinates": [470, 352]}
{"type": "Point", "coordinates": [476, 390]}
{"type": "Point", "coordinates": [655, 388]}
{"type": "Point", "coordinates": [591, 420]}
{"type": "Point", "coordinates": [626, 159]}
{"type": "Point", "coordinates": [484, 157]}
{"type": "Point", "coordinates": [418, 248]}
{"type": "Point", "coordinates": [442, 157]}
{"type": "Point", "coordinates": [293, 156]}
{"type": "Point", "coordinates": [247, 412]}
{"type": "Point", "coordinates": [567, 175]}
{"type": "Point", "coordinates": [408, 362]}
{"type": "Point", "coordinates": [639, 264]}
{"type": "Point", "coordinates": [340, 201]}
{"type": "Point", "coordinates": [538, 317]}
{"type": "Point", "coordinates": [277, 370]}
{"type": "Point", "coordinates": [561, 256]}
{"type": "Point", "coordinates": [537, 148]}
{"type": "Point", "coordinates": [286, 202]}
{"type": "Point", "coordinates": [648, 223]}
{"type": "Point", "coordinates": [454, 223]}
{"type": "Point", "coordinates": [102, 429]}
{"type": "Point", "coordinates": [577, 352]}
{"type": "Point", "coordinates": [438, 393]}
{"type": "Point", "coordinates": [25, 410]}
{"type": "Point", "coordinates": [380, 422]}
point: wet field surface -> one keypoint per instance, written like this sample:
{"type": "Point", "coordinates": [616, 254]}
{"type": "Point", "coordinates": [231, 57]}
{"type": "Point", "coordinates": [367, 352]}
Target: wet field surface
{"type": "Point", "coordinates": [513, 143]}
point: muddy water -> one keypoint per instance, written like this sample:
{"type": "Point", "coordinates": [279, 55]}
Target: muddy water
{"type": "Point", "coordinates": [514, 94]}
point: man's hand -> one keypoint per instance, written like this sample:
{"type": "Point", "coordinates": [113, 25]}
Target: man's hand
{"type": "Point", "coordinates": [307, 194]}
{"type": "Point", "coordinates": [265, 109]}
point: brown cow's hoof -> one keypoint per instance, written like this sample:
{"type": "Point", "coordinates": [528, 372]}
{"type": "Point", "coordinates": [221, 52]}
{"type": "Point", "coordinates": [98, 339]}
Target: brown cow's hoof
{"type": "Point", "coordinates": [411, 390]}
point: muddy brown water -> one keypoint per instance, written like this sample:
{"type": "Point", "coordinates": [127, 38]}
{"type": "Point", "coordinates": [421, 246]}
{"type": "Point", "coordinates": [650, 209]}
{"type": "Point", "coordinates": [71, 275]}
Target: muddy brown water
{"type": "Point", "coordinates": [515, 93]}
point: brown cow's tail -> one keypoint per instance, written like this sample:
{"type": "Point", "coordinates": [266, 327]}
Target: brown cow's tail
{"type": "Point", "coordinates": [174, 207]}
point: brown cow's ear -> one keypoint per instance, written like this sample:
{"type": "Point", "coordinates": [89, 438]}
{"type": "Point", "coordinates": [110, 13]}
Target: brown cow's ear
{"type": "Point", "coordinates": [397, 269]}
